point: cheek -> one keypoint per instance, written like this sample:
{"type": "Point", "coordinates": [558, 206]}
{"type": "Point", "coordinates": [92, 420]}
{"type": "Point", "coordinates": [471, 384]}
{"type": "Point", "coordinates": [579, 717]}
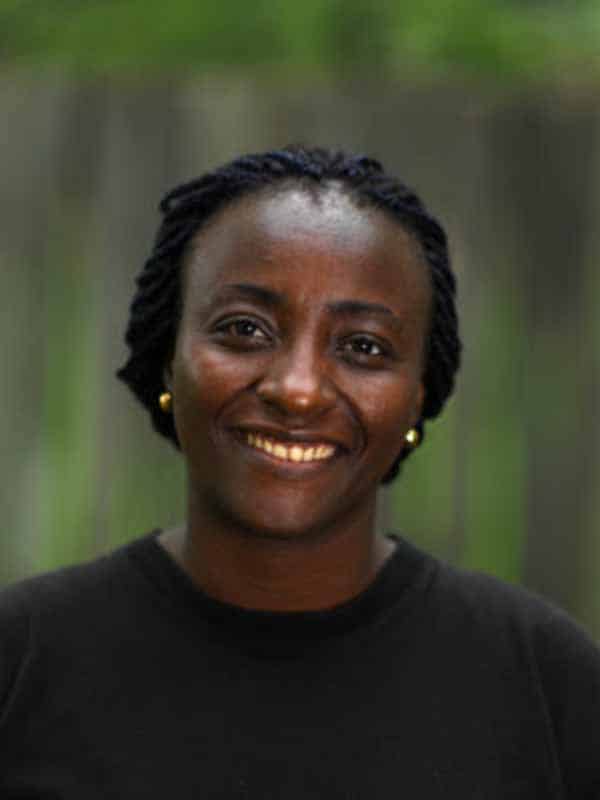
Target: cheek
{"type": "Point", "coordinates": [205, 381]}
{"type": "Point", "coordinates": [202, 371]}
{"type": "Point", "coordinates": [393, 396]}
{"type": "Point", "coordinates": [389, 413]}
{"type": "Point", "coordinates": [195, 394]}
{"type": "Point", "coordinates": [388, 421]}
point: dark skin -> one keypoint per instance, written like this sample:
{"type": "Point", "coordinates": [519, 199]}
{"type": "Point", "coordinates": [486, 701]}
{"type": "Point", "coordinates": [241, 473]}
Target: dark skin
{"type": "Point", "coordinates": [304, 323]}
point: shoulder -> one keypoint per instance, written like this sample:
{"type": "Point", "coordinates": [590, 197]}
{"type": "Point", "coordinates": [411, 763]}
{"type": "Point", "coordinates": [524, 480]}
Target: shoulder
{"type": "Point", "coordinates": [486, 602]}
{"type": "Point", "coordinates": [60, 590]}
{"type": "Point", "coordinates": [531, 642]}
{"type": "Point", "coordinates": [508, 614]}
{"type": "Point", "coordinates": [15, 635]}
{"type": "Point", "coordinates": [39, 613]}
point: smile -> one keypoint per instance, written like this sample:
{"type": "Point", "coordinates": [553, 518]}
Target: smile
{"type": "Point", "coordinates": [294, 452]}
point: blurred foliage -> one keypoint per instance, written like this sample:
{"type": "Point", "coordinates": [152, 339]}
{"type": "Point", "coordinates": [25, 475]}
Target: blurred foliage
{"type": "Point", "coordinates": [503, 38]}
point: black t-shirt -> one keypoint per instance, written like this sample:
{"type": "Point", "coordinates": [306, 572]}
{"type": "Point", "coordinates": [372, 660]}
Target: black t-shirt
{"type": "Point", "coordinates": [121, 679]}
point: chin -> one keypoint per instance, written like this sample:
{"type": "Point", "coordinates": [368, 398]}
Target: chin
{"type": "Point", "coordinates": [282, 523]}
{"type": "Point", "coordinates": [282, 527]}
{"type": "Point", "coordinates": [291, 511]}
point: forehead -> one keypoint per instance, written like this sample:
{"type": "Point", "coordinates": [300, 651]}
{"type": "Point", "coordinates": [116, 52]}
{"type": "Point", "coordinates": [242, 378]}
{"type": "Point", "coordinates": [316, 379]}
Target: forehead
{"type": "Point", "coordinates": [324, 240]}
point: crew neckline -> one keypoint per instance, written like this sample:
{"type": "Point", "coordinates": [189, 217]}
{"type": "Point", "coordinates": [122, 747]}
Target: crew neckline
{"type": "Point", "coordinates": [404, 569]}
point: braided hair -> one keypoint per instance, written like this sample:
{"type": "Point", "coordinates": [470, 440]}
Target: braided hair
{"type": "Point", "coordinates": [156, 307]}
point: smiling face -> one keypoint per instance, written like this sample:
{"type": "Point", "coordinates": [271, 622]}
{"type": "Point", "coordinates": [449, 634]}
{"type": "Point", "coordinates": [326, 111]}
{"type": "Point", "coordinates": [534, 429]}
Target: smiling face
{"type": "Point", "coordinates": [299, 359]}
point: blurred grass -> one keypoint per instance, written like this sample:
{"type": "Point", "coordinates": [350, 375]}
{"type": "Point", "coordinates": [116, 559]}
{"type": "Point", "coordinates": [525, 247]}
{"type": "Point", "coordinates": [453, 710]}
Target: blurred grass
{"type": "Point", "coordinates": [495, 519]}
{"type": "Point", "coordinates": [499, 38]}
{"type": "Point", "coordinates": [464, 496]}
{"type": "Point", "coordinates": [66, 470]}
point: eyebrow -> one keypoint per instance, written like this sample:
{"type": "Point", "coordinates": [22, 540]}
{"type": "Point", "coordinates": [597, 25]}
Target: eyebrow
{"type": "Point", "coordinates": [259, 294]}
{"type": "Point", "coordinates": [361, 308]}
{"type": "Point", "coordinates": [346, 308]}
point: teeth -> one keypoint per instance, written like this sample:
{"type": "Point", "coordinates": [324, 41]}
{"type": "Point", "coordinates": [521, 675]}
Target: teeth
{"type": "Point", "coordinates": [295, 452]}
{"type": "Point", "coordinates": [280, 451]}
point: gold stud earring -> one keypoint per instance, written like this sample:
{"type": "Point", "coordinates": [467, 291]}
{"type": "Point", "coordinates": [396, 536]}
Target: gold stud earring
{"type": "Point", "coordinates": [164, 401]}
{"type": "Point", "coordinates": [412, 438]}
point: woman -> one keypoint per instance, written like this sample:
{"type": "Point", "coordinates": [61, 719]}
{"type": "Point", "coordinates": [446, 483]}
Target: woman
{"type": "Point", "coordinates": [292, 330]}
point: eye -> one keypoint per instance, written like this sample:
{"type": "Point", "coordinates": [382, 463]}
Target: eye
{"type": "Point", "coordinates": [241, 328]}
{"type": "Point", "coordinates": [364, 348]}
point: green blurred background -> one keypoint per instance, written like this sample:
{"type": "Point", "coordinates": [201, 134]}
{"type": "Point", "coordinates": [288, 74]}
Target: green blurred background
{"type": "Point", "coordinates": [490, 108]}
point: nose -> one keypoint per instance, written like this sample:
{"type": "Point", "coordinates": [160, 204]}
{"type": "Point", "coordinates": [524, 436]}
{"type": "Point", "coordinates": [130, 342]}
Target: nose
{"type": "Point", "coordinates": [296, 384]}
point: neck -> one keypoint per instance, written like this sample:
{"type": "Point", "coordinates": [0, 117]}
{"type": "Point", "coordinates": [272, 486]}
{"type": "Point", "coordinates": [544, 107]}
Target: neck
{"type": "Point", "coordinates": [300, 573]}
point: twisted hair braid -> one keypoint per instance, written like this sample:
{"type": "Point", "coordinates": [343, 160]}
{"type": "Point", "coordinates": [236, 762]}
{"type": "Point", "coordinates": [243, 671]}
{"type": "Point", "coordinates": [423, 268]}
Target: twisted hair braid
{"type": "Point", "coordinates": [156, 307]}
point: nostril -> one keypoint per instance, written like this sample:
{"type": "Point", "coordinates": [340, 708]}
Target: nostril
{"type": "Point", "coordinates": [306, 397]}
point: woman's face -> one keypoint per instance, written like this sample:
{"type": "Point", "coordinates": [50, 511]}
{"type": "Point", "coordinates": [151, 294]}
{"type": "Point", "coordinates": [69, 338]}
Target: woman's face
{"type": "Point", "coordinates": [299, 359]}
